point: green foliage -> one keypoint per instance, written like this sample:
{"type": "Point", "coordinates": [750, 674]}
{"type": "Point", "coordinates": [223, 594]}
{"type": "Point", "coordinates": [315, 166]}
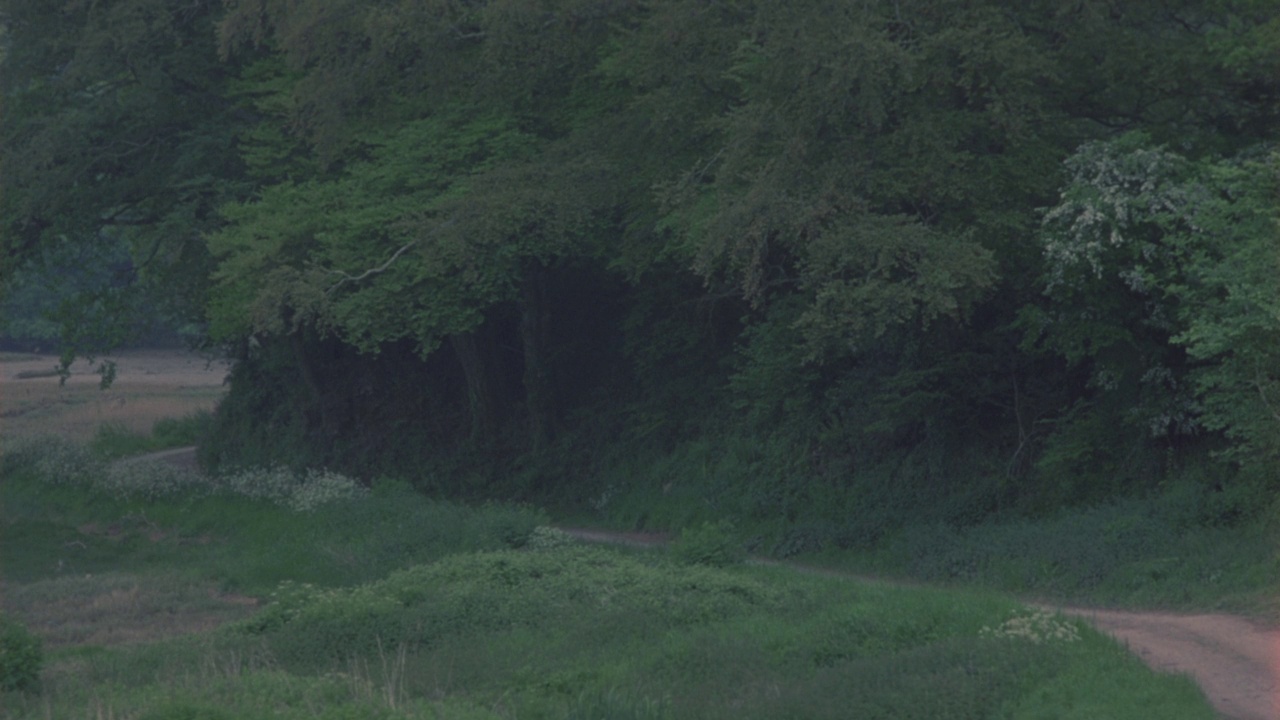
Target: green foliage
{"type": "Point", "coordinates": [485, 593]}
{"type": "Point", "coordinates": [713, 544]}
{"type": "Point", "coordinates": [113, 440]}
{"type": "Point", "coordinates": [62, 463]}
{"type": "Point", "coordinates": [21, 656]}
{"type": "Point", "coordinates": [402, 618]}
{"type": "Point", "coordinates": [186, 710]}
{"type": "Point", "coordinates": [183, 431]}
{"type": "Point", "coordinates": [136, 516]}
{"type": "Point", "coordinates": [548, 538]}
{"type": "Point", "coordinates": [297, 492]}
{"type": "Point", "coordinates": [1185, 548]}
{"type": "Point", "coordinates": [1162, 272]}
{"type": "Point", "coordinates": [118, 142]}
{"type": "Point", "coordinates": [617, 705]}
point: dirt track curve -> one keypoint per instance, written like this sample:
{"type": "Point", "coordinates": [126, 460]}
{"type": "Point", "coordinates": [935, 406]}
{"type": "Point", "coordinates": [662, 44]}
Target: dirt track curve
{"type": "Point", "coordinates": [1234, 660]}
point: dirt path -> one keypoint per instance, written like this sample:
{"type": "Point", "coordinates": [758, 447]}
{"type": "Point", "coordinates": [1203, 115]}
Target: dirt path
{"type": "Point", "coordinates": [183, 457]}
{"type": "Point", "coordinates": [1236, 662]}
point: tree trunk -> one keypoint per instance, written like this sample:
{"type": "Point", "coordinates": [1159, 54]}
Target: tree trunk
{"type": "Point", "coordinates": [482, 396]}
{"type": "Point", "coordinates": [538, 390]}
{"type": "Point", "coordinates": [310, 378]}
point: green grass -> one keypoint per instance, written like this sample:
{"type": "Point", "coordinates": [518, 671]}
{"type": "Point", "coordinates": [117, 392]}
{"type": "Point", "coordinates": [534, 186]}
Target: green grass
{"type": "Point", "coordinates": [1204, 540]}
{"type": "Point", "coordinates": [1132, 553]}
{"type": "Point", "coordinates": [384, 604]}
{"type": "Point", "coordinates": [114, 440]}
{"type": "Point", "coordinates": [85, 525]}
{"type": "Point", "coordinates": [572, 632]}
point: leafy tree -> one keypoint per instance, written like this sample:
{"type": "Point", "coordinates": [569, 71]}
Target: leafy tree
{"type": "Point", "coordinates": [1161, 272]}
{"type": "Point", "coordinates": [430, 210]}
{"type": "Point", "coordinates": [115, 133]}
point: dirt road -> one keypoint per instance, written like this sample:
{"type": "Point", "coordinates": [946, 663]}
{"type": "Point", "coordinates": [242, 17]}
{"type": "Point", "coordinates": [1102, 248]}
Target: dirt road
{"type": "Point", "coordinates": [1235, 661]}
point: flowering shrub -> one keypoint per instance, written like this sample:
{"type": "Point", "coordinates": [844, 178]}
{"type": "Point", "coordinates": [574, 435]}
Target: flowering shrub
{"type": "Point", "coordinates": [545, 537]}
{"type": "Point", "coordinates": [299, 493]}
{"type": "Point", "coordinates": [320, 487]}
{"type": "Point", "coordinates": [58, 461]}
{"type": "Point", "coordinates": [148, 481]}
{"type": "Point", "coordinates": [1041, 626]}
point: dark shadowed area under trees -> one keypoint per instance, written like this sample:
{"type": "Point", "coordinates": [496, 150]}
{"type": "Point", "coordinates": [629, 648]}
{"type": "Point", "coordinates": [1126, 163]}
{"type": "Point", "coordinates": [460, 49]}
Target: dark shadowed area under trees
{"type": "Point", "coordinates": [821, 267]}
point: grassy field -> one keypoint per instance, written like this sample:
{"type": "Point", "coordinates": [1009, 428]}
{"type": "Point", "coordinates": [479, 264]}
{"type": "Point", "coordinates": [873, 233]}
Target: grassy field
{"type": "Point", "coordinates": [160, 595]}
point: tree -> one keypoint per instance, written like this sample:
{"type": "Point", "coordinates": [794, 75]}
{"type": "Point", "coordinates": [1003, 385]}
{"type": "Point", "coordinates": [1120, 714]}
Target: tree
{"type": "Point", "coordinates": [1162, 280]}
{"type": "Point", "coordinates": [427, 211]}
{"type": "Point", "coordinates": [116, 133]}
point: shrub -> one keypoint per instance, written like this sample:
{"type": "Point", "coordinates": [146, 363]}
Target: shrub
{"type": "Point", "coordinates": [186, 430]}
{"type": "Point", "coordinates": [545, 537]}
{"type": "Point", "coordinates": [301, 493]}
{"type": "Point", "coordinates": [474, 594]}
{"type": "Point", "coordinates": [58, 461]}
{"type": "Point", "coordinates": [1036, 627]}
{"type": "Point", "coordinates": [147, 480]}
{"type": "Point", "coordinates": [714, 544]}
{"type": "Point", "coordinates": [20, 656]}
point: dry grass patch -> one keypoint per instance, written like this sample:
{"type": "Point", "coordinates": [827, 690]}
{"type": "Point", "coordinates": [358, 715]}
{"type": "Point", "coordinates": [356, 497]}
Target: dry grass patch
{"type": "Point", "coordinates": [149, 385]}
{"type": "Point", "coordinates": [120, 609]}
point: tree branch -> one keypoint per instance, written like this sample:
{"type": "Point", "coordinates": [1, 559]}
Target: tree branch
{"type": "Point", "coordinates": [386, 265]}
{"type": "Point", "coordinates": [371, 271]}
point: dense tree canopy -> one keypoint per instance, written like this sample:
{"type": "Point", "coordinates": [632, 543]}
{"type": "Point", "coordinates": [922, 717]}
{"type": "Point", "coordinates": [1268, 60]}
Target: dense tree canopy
{"type": "Point", "coordinates": [1044, 230]}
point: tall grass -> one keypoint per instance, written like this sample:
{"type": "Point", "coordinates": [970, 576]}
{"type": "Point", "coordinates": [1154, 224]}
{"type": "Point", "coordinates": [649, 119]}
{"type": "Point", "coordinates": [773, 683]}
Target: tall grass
{"type": "Point", "coordinates": [114, 440]}
{"type": "Point", "coordinates": [1142, 552]}
{"type": "Point", "coordinates": [1199, 541]}
{"type": "Point", "coordinates": [74, 513]}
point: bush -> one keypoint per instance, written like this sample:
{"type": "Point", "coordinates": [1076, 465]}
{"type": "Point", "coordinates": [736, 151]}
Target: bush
{"type": "Point", "coordinates": [178, 432]}
{"type": "Point", "coordinates": [714, 544]}
{"type": "Point", "coordinates": [148, 480]}
{"type": "Point", "coordinates": [476, 594]}
{"type": "Point", "coordinates": [58, 461]}
{"type": "Point", "coordinates": [301, 493]}
{"type": "Point", "coordinates": [20, 656]}
{"type": "Point", "coordinates": [545, 537]}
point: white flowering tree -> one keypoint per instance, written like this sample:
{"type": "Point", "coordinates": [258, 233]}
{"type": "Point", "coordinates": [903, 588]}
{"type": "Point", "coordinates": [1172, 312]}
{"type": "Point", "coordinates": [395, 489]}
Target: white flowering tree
{"type": "Point", "coordinates": [1163, 283]}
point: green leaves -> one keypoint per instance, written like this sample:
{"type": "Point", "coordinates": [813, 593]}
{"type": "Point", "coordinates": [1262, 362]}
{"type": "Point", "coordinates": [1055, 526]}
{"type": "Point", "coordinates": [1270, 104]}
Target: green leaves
{"type": "Point", "coordinates": [1149, 255]}
{"type": "Point", "coordinates": [882, 272]}
{"type": "Point", "coordinates": [381, 250]}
